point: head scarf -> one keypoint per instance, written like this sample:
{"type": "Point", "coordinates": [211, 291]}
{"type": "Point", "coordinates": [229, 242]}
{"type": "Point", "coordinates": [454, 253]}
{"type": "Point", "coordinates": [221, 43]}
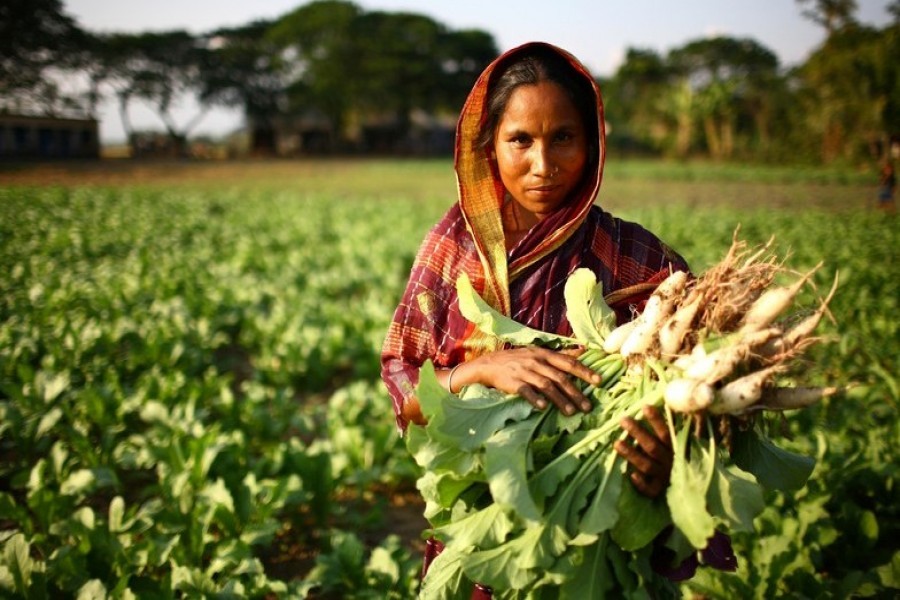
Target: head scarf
{"type": "Point", "coordinates": [481, 193]}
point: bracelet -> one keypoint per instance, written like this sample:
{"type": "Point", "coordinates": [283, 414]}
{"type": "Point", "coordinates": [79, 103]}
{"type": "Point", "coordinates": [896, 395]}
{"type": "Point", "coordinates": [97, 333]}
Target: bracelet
{"type": "Point", "coordinates": [450, 378]}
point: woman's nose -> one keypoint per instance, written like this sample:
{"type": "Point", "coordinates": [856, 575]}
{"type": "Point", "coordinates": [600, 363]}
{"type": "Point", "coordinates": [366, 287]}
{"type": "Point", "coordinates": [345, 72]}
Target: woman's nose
{"type": "Point", "coordinates": [541, 161]}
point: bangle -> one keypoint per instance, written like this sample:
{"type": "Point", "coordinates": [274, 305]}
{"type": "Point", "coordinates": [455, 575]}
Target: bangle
{"type": "Point", "coordinates": [450, 378]}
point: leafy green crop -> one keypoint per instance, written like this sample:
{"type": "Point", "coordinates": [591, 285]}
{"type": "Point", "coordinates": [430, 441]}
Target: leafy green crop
{"type": "Point", "coordinates": [176, 398]}
{"type": "Point", "coordinates": [189, 382]}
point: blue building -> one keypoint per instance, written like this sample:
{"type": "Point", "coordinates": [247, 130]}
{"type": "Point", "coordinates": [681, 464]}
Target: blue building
{"type": "Point", "coordinates": [45, 138]}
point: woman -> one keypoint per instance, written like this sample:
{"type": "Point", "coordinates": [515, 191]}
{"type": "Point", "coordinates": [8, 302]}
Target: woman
{"type": "Point", "coordinates": [529, 159]}
{"type": "Point", "coordinates": [886, 184]}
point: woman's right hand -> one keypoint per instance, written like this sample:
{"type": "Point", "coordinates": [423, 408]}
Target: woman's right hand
{"type": "Point", "coordinates": [540, 376]}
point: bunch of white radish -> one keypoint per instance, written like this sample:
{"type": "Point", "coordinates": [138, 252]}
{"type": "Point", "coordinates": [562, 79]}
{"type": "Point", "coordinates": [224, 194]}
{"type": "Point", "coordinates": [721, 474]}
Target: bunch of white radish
{"type": "Point", "coordinates": [723, 337]}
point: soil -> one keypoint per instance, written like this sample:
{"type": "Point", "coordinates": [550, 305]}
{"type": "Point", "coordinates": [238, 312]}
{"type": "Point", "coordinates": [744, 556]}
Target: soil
{"type": "Point", "coordinates": [385, 510]}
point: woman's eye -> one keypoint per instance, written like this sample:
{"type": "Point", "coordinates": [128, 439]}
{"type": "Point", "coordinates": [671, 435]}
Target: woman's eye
{"type": "Point", "coordinates": [564, 136]}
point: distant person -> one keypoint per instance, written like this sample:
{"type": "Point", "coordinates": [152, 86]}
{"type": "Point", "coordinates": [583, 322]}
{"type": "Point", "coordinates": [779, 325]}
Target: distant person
{"type": "Point", "coordinates": [529, 160]}
{"type": "Point", "coordinates": [887, 183]}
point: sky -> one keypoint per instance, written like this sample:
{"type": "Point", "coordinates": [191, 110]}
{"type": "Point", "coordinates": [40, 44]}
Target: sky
{"type": "Point", "coordinates": [598, 32]}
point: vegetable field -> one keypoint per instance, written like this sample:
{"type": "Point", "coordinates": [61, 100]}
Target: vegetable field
{"type": "Point", "coordinates": [190, 402]}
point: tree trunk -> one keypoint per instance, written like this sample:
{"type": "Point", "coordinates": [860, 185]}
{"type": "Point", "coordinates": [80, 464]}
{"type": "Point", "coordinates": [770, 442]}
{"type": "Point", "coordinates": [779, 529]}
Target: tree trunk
{"type": "Point", "coordinates": [126, 120]}
{"type": "Point", "coordinates": [832, 142]}
{"type": "Point", "coordinates": [683, 135]}
{"type": "Point", "coordinates": [727, 138]}
{"type": "Point", "coordinates": [712, 137]}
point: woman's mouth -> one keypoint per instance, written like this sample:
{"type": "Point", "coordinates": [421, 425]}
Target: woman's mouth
{"type": "Point", "coordinates": [545, 189]}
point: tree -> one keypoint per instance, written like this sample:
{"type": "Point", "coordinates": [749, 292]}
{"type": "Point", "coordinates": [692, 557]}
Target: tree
{"type": "Point", "coordinates": [320, 55]}
{"type": "Point", "coordinates": [894, 10]}
{"type": "Point", "coordinates": [398, 65]}
{"type": "Point", "coordinates": [638, 119]}
{"type": "Point", "coordinates": [462, 55]}
{"type": "Point", "coordinates": [833, 15]}
{"type": "Point", "coordinates": [243, 68]}
{"type": "Point", "coordinates": [849, 93]}
{"type": "Point", "coordinates": [411, 62]}
{"type": "Point", "coordinates": [354, 66]}
{"type": "Point", "coordinates": [727, 76]}
{"type": "Point", "coordinates": [37, 37]}
{"type": "Point", "coordinates": [161, 69]}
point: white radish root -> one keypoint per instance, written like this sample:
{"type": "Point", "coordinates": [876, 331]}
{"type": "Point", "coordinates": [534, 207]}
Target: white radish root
{"type": "Point", "coordinates": [671, 335]}
{"type": "Point", "coordinates": [790, 398]}
{"type": "Point", "coordinates": [797, 337]}
{"type": "Point", "coordinates": [738, 394]}
{"type": "Point", "coordinates": [615, 339]}
{"type": "Point", "coordinates": [721, 363]}
{"type": "Point", "coordinates": [688, 395]}
{"type": "Point", "coordinates": [773, 302]}
{"type": "Point", "coordinates": [659, 306]}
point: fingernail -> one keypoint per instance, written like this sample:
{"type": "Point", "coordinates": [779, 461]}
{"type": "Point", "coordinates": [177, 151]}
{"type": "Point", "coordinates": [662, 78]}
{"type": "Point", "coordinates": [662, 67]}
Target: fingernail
{"type": "Point", "coordinates": [541, 404]}
{"type": "Point", "coordinates": [586, 406]}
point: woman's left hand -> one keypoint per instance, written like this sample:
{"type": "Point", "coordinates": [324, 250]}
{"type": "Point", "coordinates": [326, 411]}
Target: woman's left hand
{"type": "Point", "coordinates": [650, 455]}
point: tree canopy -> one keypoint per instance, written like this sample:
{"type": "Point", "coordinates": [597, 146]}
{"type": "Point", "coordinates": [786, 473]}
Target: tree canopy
{"type": "Point", "coordinates": [343, 69]}
{"type": "Point", "coordinates": [36, 36]}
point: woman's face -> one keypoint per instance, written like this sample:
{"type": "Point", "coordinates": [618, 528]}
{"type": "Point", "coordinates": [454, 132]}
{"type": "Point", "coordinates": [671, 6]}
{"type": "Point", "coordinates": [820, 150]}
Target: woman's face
{"type": "Point", "coordinates": [540, 146]}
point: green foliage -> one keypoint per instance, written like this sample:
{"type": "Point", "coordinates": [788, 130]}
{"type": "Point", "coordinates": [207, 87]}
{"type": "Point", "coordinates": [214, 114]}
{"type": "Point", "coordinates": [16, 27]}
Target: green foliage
{"type": "Point", "coordinates": [345, 571]}
{"type": "Point", "coordinates": [189, 381]}
{"type": "Point", "coordinates": [176, 397]}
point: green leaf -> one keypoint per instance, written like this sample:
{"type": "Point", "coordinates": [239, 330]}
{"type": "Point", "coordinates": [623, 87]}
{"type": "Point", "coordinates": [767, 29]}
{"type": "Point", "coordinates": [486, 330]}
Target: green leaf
{"type": "Point", "coordinates": [593, 578]}
{"type": "Point", "coordinates": [588, 314]}
{"type": "Point", "coordinates": [48, 421]}
{"type": "Point", "coordinates": [17, 515]}
{"type": "Point", "coordinates": [482, 528]}
{"type": "Point", "coordinates": [77, 482]}
{"type": "Point", "coordinates": [868, 527]}
{"type": "Point", "coordinates": [92, 590]}
{"type": "Point", "coordinates": [517, 563]}
{"type": "Point", "coordinates": [445, 579]}
{"type": "Point", "coordinates": [641, 518]}
{"type": "Point", "coordinates": [889, 573]}
{"type": "Point", "coordinates": [506, 468]}
{"type": "Point", "coordinates": [772, 466]}
{"type": "Point", "coordinates": [546, 482]}
{"type": "Point", "coordinates": [116, 514]}
{"type": "Point", "coordinates": [469, 422]}
{"type": "Point", "coordinates": [603, 512]}
{"type": "Point", "coordinates": [735, 498]}
{"type": "Point", "coordinates": [442, 490]}
{"type": "Point", "coordinates": [51, 386]}
{"type": "Point", "coordinates": [59, 454]}
{"type": "Point", "coordinates": [431, 394]}
{"type": "Point", "coordinates": [436, 455]}
{"type": "Point", "coordinates": [688, 486]}
{"type": "Point", "coordinates": [85, 517]}
{"type": "Point", "coordinates": [492, 322]}
{"type": "Point", "coordinates": [381, 561]}
{"type": "Point", "coordinates": [218, 496]}
{"type": "Point", "coordinates": [16, 555]}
